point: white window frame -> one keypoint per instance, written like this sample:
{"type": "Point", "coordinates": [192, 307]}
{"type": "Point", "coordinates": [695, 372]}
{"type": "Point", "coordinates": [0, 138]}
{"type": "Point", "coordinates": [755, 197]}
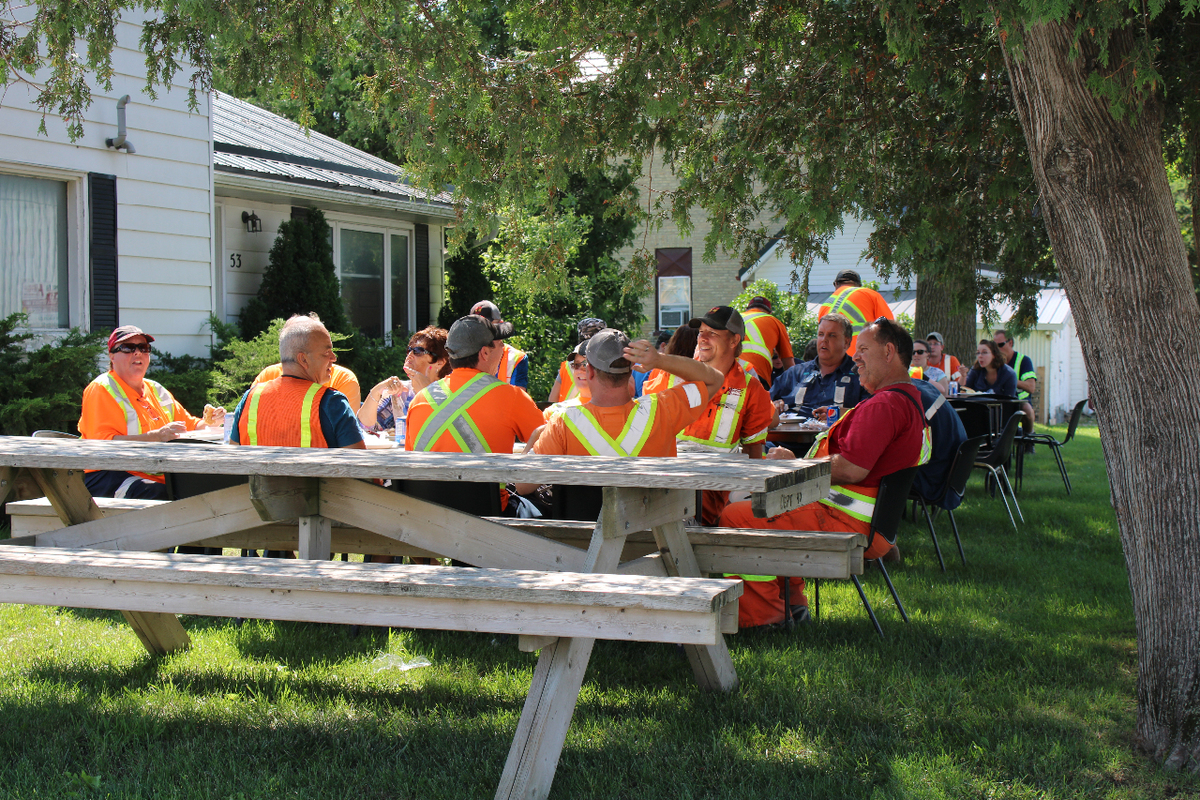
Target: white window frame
{"type": "Point", "coordinates": [401, 229]}
{"type": "Point", "coordinates": [78, 286]}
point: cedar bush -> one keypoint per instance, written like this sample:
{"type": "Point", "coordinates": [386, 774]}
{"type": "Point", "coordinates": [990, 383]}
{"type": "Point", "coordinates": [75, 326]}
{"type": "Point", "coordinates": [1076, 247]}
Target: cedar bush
{"type": "Point", "coordinates": [43, 387]}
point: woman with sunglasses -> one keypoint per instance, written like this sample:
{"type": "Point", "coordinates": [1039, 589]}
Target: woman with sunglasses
{"type": "Point", "coordinates": [990, 374]}
{"type": "Point", "coordinates": [123, 404]}
{"type": "Point", "coordinates": [921, 370]}
{"type": "Point", "coordinates": [426, 362]}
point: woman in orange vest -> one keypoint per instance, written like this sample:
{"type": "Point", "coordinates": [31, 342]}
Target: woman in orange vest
{"type": "Point", "coordinates": [565, 386]}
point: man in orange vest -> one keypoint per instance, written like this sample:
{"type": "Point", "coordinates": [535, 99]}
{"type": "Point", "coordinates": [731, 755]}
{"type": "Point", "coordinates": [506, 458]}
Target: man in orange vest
{"type": "Point", "coordinates": [858, 303]}
{"type": "Point", "coordinates": [298, 409]}
{"type": "Point", "coordinates": [883, 434]}
{"type": "Point", "coordinates": [340, 378]}
{"type": "Point", "coordinates": [612, 423]}
{"type": "Point", "coordinates": [765, 336]}
{"type": "Point", "coordinates": [513, 367]}
{"type": "Point", "coordinates": [124, 405]}
{"type": "Point", "coordinates": [738, 413]}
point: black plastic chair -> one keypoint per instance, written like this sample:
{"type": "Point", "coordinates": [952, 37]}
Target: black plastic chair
{"type": "Point", "coordinates": [479, 499]}
{"type": "Point", "coordinates": [1052, 443]}
{"type": "Point", "coordinates": [575, 502]}
{"type": "Point", "coordinates": [885, 522]}
{"type": "Point", "coordinates": [994, 461]}
{"type": "Point", "coordinates": [955, 485]}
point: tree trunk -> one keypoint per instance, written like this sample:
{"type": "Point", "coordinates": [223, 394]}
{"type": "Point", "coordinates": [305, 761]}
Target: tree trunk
{"type": "Point", "coordinates": [936, 312]}
{"type": "Point", "coordinates": [1112, 224]}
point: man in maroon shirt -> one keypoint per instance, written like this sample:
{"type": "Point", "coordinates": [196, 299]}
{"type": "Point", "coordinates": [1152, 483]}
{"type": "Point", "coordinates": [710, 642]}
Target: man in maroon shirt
{"type": "Point", "coordinates": [883, 434]}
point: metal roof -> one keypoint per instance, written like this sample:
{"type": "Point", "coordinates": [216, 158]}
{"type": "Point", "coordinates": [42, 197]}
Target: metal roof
{"type": "Point", "coordinates": [252, 141]}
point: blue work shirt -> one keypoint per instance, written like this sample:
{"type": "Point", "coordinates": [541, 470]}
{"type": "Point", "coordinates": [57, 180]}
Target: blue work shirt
{"type": "Point", "coordinates": [819, 390]}
{"type": "Point", "coordinates": [1005, 385]}
{"type": "Point", "coordinates": [947, 434]}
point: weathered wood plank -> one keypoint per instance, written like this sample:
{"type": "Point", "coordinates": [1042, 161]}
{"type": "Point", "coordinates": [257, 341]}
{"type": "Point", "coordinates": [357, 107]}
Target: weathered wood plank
{"type": "Point", "coordinates": [278, 498]}
{"type": "Point", "coordinates": [665, 473]}
{"type": "Point", "coordinates": [789, 498]}
{"type": "Point", "coordinates": [315, 536]}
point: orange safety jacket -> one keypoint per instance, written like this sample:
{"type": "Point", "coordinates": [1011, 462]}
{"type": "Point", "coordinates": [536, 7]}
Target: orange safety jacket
{"type": "Point", "coordinates": [284, 412]}
{"type": "Point", "coordinates": [567, 390]}
{"type": "Point", "coordinates": [508, 363]}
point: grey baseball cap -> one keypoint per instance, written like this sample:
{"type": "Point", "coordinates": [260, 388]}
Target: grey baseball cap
{"type": "Point", "coordinates": [472, 333]}
{"type": "Point", "coordinates": [935, 335]}
{"type": "Point", "coordinates": [606, 352]}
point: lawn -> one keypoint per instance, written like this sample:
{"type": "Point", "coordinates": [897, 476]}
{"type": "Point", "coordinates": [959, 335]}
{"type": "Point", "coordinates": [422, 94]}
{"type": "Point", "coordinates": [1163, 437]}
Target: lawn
{"type": "Point", "coordinates": [1015, 679]}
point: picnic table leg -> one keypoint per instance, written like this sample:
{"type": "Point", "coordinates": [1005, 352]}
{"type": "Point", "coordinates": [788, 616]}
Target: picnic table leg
{"type": "Point", "coordinates": [538, 743]}
{"type": "Point", "coordinates": [710, 663]}
{"type": "Point", "coordinates": [315, 535]}
{"type": "Point", "coordinates": [159, 633]}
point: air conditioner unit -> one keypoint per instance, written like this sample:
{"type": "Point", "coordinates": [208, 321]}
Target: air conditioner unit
{"type": "Point", "coordinates": [673, 316]}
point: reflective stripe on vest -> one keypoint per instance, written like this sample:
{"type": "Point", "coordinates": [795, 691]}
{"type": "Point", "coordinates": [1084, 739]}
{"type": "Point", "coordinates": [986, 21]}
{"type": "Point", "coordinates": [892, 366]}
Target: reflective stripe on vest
{"type": "Point", "coordinates": [449, 414]}
{"type": "Point", "coordinates": [1022, 376]}
{"type": "Point", "coordinates": [133, 425]}
{"type": "Point", "coordinates": [508, 363]}
{"type": "Point", "coordinates": [755, 342]}
{"type": "Point", "coordinates": [305, 414]}
{"type": "Point", "coordinates": [633, 436]}
{"type": "Point", "coordinates": [729, 412]}
{"type": "Point", "coordinates": [839, 391]}
{"type": "Point", "coordinates": [916, 372]}
{"type": "Point", "coordinates": [566, 389]}
{"type": "Point", "coordinates": [842, 304]}
{"type": "Point", "coordinates": [750, 577]}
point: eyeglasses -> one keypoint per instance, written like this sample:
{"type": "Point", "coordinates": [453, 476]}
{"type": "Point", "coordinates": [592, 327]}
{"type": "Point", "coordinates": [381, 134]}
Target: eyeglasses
{"type": "Point", "coordinates": [419, 351]}
{"type": "Point", "coordinates": [579, 363]}
{"type": "Point", "coordinates": [131, 348]}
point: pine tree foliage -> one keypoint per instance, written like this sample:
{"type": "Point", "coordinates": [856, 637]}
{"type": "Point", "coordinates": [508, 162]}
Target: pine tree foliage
{"type": "Point", "coordinates": [43, 386]}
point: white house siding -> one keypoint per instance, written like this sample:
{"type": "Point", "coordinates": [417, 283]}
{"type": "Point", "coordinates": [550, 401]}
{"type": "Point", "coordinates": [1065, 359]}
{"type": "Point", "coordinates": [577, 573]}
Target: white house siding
{"type": "Point", "coordinates": [164, 195]}
{"type": "Point", "coordinates": [846, 250]}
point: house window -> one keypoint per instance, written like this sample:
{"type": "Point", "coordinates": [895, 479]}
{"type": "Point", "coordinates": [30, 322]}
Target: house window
{"type": "Point", "coordinates": [34, 250]}
{"type": "Point", "coordinates": [674, 286]}
{"type": "Point", "coordinates": [375, 269]}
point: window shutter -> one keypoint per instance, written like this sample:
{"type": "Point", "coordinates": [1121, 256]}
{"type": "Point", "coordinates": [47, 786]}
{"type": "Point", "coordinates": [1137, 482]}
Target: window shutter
{"type": "Point", "coordinates": [421, 262]}
{"type": "Point", "coordinates": [102, 250]}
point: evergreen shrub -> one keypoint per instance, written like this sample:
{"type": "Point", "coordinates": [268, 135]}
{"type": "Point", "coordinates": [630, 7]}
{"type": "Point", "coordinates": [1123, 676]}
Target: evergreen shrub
{"type": "Point", "coordinates": [43, 387]}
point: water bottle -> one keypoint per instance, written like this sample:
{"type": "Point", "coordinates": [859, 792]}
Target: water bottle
{"type": "Point", "coordinates": [228, 431]}
{"type": "Point", "coordinates": [954, 388]}
{"type": "Point", "coordinates": [401, 429]}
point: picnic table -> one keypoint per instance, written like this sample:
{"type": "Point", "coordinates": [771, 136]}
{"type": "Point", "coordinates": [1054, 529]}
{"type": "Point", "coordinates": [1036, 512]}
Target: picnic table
{"type": "Point", "coordinates": [317, 486]}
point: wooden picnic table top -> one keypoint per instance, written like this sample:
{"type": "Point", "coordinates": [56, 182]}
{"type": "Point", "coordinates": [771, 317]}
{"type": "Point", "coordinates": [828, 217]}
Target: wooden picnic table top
{"type": "Point", "coordinates": [665, 473]}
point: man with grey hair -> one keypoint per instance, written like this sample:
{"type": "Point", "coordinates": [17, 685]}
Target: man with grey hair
{"type": "Point", "coordinates": [829, 379]}
{"type": "Point", "coordinates": [340, 378]}
{"type": "Point", "coordinates": [298, 409]}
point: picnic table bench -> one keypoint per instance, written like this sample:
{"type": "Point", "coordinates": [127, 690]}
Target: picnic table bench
{"type": "Point", "coordinates": [317, 486]}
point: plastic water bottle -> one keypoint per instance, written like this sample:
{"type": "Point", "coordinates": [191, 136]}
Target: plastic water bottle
{"type": "Point", "coordinates": [228, 432]}
{"type": "Point", "coordinates": [954, 388]}
{"type": "Point", "coordinates": [401, 429]}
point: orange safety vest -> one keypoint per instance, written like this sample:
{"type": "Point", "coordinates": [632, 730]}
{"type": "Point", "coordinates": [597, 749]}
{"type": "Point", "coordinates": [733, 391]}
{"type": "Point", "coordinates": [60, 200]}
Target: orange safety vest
{"type": "Point", "coordinates": [285, 412]}
{"type": "Point", "coordinates": [508, 363]}
{"type": "Point", "coordinates": [567, 389]}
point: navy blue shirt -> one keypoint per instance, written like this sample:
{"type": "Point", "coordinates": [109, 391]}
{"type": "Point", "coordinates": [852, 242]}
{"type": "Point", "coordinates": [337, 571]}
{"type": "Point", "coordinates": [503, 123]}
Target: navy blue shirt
{"type": "Point", "coordinates": [947, 433]}
{"type": "Point", "coordinates": [1006, 381]}
{"type": "Point", "coordinates": [819, 390]}
{"type": "Point", "coordinates": [339, 425]}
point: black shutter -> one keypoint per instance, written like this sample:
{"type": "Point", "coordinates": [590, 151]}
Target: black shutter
{"type": "Point", "coordinates": [102, 250]}
{"type": "Point", "coordinates": [421, 245]}
{"type": "Point", "coordinates": [299, 212]}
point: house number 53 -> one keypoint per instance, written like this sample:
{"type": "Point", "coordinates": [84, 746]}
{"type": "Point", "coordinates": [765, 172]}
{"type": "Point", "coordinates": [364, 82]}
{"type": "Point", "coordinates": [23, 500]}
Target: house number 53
{"type": "Point", "coordinates": [235, 260]}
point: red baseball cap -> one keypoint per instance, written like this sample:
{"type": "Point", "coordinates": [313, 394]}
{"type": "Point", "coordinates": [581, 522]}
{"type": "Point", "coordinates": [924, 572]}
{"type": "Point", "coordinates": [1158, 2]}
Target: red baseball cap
{"type": "Point", "coordinates": [124, 333]}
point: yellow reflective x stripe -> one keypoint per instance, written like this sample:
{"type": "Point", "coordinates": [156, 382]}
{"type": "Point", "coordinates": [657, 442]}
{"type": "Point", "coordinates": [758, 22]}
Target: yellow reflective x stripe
{"type": "Point", "coordinates": [755, 342]}
{"type": "Point", "coordinates": [449, 412]}
{"type": "Point", "coordinates": [306, 415]}
{"type": "Point", "coordinates": [133, 425]}
{"type": "Point", "coordinates": [633, 436]}
{"type": "Point", "coordinates": [842, 304]}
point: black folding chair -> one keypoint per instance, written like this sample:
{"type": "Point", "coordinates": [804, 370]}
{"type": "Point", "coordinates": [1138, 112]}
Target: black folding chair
{"type": "Point", "coordinates": [885, 522]}
{"type": "Point", "coordinates": [955, 485]}
{"type": "Point", "coordinates": [1051, 442]}
{"type": "Point", "coordinates": [994, 461]}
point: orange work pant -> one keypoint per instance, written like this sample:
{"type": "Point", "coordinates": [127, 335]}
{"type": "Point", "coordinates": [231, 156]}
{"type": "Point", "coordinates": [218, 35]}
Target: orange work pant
{"type": "Point", "coordinates": [761, 598]}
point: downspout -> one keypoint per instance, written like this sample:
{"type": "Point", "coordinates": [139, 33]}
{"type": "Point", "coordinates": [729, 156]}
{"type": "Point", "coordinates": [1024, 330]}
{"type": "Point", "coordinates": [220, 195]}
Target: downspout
{"type": "Point", "coordinates": [121, 143]}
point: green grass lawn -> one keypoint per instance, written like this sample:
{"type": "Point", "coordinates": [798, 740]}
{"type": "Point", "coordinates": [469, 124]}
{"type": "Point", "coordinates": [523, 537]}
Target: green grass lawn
{"type": "Point", "coordinates": [1015, 679]}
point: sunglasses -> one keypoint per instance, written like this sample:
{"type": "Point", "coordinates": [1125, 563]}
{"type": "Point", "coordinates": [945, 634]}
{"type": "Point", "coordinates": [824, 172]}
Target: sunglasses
{"type": "Point", "coordinates": [419, 351]}
{"type": "Point", "coordinates": [920, 352]}
{"type": "Point", "coordinates": [131, 348]}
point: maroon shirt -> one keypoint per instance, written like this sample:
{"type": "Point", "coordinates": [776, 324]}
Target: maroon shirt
{"type": "Point", "coordinates": [883, 434]}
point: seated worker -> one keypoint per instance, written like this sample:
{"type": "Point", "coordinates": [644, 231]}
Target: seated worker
{"type": "Point", "coordinates": [938, 357]}
{"type": "Point", "coordinates": [124, 405]}
{"type": "Point", "coordinates": [829, 379]}
{"type": "Point", "coordinates": [1022, 367]}
{"type": "Point", "coordinates": [921, 371]}
{"type": "Point", "coordinates": [739, 413]}
{"type": "Point", "coordinates": [470, 411]}
{"type": "Point", "coordinates": [990, 374]}
{"type": "Point", "coordinates": [298, 409]}
{"type": "Point", "coordinates": [613, 423]}
{"type": "Point", "coordinates": [578, 363]}
{"type": "Point", "coordinates": [513, 367]}
{"type": "Point", "coordinates": [883, 434]}
{"type": "Point", "coordinates": [564, 387]}
{"type": "Point", "coordinates": [425, 362]}
{"type": "Point", "coordinates": [340, 378]}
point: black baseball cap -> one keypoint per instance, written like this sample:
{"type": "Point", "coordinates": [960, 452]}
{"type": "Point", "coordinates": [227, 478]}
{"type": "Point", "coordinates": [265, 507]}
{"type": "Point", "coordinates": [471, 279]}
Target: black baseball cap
{"type": "Point", "coordinates": [723, 318]}
{"type": "Point", "coordinates": [847, 276]}
{"type": "Point", "coordinates": [760, 302]}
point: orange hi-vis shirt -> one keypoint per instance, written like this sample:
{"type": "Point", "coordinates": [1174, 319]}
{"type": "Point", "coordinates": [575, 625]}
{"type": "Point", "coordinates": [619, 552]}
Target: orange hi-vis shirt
{"type": "Point", "coordinates": [860, 305]}
{"type": "Point", "coordinates": [738, 415]}
{"type": "Point", "coordinates": [764, 335]}
{"type": "Point", "coordinates": [644, 427]}
{"type": "Point", "coordinates": [492, 416]}
{"type": "Point", "coordinates": [112, 408]}
{"type": "Point", "coordinates": [341, 379]}
{"type": "Point", "coordinates": [283, 412]}
{"type": "Point", "coordinates": [554, 409]}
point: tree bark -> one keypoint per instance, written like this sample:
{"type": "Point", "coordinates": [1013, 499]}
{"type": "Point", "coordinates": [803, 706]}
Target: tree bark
{"type": "Point", "coordinates": [936, 312]}
{"type": "Point", "coordinates": [1112, 224]}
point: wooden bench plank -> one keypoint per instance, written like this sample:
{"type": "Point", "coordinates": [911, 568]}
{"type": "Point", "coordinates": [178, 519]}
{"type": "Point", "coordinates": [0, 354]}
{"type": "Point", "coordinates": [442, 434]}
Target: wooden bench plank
{"type": "Point", "coordinates": [414, 596]}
